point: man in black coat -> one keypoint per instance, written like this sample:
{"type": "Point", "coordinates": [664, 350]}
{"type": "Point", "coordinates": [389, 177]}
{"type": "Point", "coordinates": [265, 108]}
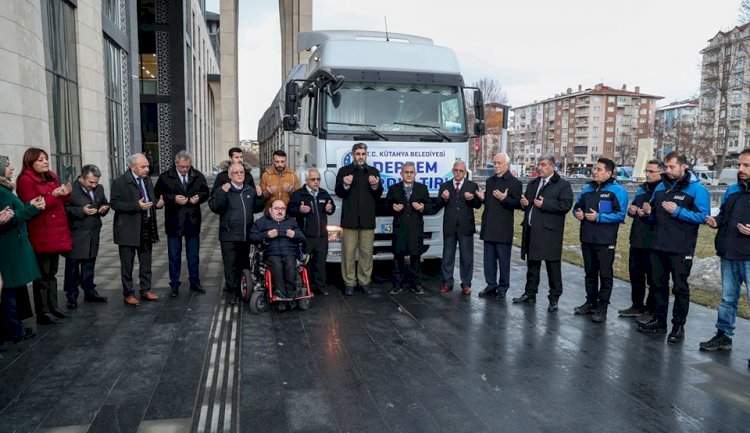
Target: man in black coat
{"type": "Point", "coordinates": [408, 200]}
{"type": "Point", "coordinates": [360, 188]}
{"type": "Point", "coordinates": [459, 198]}
{"type": "Point", "coordinates": [546, 203]}
{"type": "Point", "coordinates": [311, 205]}
{"type": "Point", "coordinates": [85, 209]}
{"type": "Point", "coordinates": [135, 228]}
{"type": "Point", "coordinates": [501, 198]}
{"type": "Point", "coordinates": [280, 235]}
{"type": "Point", "coordinates": [235, 202]}
{"type": "Point", "coordinates": [184, 190]}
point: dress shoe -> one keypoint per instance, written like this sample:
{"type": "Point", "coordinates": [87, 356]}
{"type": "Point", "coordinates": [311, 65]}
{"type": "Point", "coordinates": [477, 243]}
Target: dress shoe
{"type": "Point", "coordinates": [196, 287]}
{"type": "Point", "coordinates": [677, 334]}
{"type": "Point", "coordinates": [585, 308]}
{"type": "Point", "coordinates": [488, 292]}
{"type": "Point", "coordinates": [95, 298]}
{"type": "Point", "coordinates": [599, 315]}
{"type": "Point", "coordinates": [445, 288]}
{"type": "Point", "coordinates": [174, 292]}
{"type": "Point", "coordinates": [552, 307]}
{"type": "Point", "coordinates": [500, 294]}
{"type": "Point", "coordinates": [644, 318]}
{"type": "Point", "coordinates": [367, 290]}
{"type": "Point", "coordinates": [149, 296]}
{"type": "Point", "coordinates": [466, 290]}
{"type": "Point", "coordinates": [45, 319]}
{"type": "Point", "coordinates": [59, 314]}
{"type": "Point", "coordinates": [631, 312]}
{"type": "Point", "coordinates": [72, 305]}
{"type": "Point", "coordinates": [652, 327]}
{"type": "Point", "coordinates": [131, 301]}
{"type": "Point", "coordinates": [348, 290]}
{"type": "Point", "coordinates": [524, 299]}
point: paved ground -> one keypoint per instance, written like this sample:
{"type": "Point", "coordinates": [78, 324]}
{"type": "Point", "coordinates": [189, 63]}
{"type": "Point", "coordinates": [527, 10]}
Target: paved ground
{"type": "Point", "coordinates": [365, 364]}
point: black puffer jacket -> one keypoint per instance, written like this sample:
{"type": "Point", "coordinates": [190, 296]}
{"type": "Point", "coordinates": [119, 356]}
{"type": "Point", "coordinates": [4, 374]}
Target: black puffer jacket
{"type": "Point", "coordinates": [235, 208]}
{"type": "Point", "coordinates": [313, 223]}
{"type": "Point", "coordinates": [281, 245]}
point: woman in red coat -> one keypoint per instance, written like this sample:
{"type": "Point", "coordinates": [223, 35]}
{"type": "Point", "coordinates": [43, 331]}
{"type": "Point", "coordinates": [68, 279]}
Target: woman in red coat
{"type": "Point", "coordinates": [49, 233]}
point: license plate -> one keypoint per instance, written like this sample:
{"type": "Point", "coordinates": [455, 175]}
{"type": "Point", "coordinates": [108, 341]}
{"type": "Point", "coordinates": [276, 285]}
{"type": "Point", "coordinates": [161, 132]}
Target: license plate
{"type": "Point", "coordinates": [386, 228]}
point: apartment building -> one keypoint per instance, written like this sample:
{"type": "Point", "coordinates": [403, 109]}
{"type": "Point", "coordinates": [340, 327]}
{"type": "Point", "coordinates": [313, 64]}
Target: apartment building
{"type": "Point", "coordinates": [724, 93]}
{"type": "Point", "coordinates": [578, 127]}
{"type": "Point", "coordinates": [675, 122]}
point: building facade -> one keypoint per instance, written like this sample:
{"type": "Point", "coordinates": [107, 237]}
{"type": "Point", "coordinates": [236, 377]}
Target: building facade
{"type": "Point", "coordinates": [724, 94]}
{"type": "Point", "coordinates": [675, 125]}
{"type": "Point", "coordinates": [578, 127]}
{"type": "Point", "coordinates": [74, 82]}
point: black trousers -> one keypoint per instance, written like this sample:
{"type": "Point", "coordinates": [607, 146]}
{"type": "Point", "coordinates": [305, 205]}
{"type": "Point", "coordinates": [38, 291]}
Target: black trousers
{"type": "Point", "coordinates": [317, 248]}
{"type": "Point", "coordinates": [597, 264]}
{"type": "Point", "coordinates": [235, 256]}
{"type": "Point", "coordinates": [79, 273]}
{"type": "Point", "coordinates": [284, 274]}
{"type": "Point", "coordinates": [664, 265]}
{"type": "Point", "coordinates": [127, 261]}
{"type": "Point", "coordinates": [554, 278]}
{"type": "Point", "coordinates": [639, 267]}
{"type": "Point", "coordinates": [45, 287]}
{"type": "Point", "coordinates": [406, 275]}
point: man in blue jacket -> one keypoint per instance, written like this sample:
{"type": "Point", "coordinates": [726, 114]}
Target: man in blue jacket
{"type": "Point", "coordinates": [680, 204]}
{"type": "Point", "coordinates": [601, 207]}
{"type": "Point", "coordinates": [641, 241]}
{"type": "Point", "coordinates": [733, 246]}
{"type": "Point", "coordinates": [281, 236]}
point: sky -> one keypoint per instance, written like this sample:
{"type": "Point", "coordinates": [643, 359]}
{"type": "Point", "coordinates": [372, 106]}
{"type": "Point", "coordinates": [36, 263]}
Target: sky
{"type": "Point", "coordinates": [533, 48]}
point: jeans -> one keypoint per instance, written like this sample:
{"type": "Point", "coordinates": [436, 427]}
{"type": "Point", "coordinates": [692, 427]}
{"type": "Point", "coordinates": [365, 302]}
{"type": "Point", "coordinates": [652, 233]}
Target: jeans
{"type": "Point", "coordinates": [497, 254]}
{"type": "Point", "coordinates": [733, 274]}
{"type": "Point", "coordinates": [192, 254]}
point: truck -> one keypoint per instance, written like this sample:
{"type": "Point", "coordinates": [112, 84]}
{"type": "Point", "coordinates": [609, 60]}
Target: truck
{"type": "Point", "coordinates": [401, 95]}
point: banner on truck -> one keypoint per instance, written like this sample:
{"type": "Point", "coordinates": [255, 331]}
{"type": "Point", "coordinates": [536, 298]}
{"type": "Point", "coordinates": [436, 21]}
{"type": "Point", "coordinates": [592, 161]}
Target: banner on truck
{"type": "Point", "coordinates": [433, 166]}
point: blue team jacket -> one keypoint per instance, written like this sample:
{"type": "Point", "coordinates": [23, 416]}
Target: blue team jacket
{"type": "Point", "coordinates": [610, 200]}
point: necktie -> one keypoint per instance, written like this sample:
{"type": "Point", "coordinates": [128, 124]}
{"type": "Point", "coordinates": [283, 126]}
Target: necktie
{"type": "Point", "coordinates": [408, 192]}
{"type": "Point", "coordinates": [458, 185]}
{"type": "Point", "coordinates": [541, 187]}
{"type": "Point", "coordinates": [184, 180]}
{"type": "Point", "coordinates": [91, 194]}
{"type": "Point", "coordinates": [144, 195]}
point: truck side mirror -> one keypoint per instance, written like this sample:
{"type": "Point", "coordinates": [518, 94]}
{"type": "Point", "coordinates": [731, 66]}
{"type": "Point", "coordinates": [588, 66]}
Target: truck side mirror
{"type": "Point", "coordinates": [478, 105]}
{"type": "Point", "coordinates": [479, 129]}
{"type": "Point", "coordinates": [291, 106]}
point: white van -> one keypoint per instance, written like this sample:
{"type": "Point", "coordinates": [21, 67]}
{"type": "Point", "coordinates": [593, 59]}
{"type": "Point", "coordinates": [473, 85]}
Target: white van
{"type": "Point", "coordinates": [728, 176]}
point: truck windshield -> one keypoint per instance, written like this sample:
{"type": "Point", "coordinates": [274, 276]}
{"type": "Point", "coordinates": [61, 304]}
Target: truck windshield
{"type": "Point", "coordinates": [395, 109]}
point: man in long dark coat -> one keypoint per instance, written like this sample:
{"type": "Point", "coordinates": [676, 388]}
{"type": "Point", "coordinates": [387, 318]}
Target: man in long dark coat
{"type": "Point", "coordinates": [501, 199]}
{"type": "Point", "coordinates": [85, 209]}
{"type": "Point", "coordinates": [408, 200]}
{"type": "Point", "coordinates": [546, 203]}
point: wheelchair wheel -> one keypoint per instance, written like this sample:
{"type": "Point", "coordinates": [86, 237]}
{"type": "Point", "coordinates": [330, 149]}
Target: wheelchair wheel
{"type": "Point", "coordinates": [258, 302]}
{"type": "Point", "coordinates": [246, 285]}
{"type": "Point", "coordinates": [303, 304]}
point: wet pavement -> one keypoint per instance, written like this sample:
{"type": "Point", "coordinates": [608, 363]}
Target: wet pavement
{"type": "Point", "coordinates": [382, 363]}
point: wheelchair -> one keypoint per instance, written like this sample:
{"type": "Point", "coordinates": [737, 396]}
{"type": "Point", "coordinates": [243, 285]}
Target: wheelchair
{"type": "Point", "coordinates": [256, 286]}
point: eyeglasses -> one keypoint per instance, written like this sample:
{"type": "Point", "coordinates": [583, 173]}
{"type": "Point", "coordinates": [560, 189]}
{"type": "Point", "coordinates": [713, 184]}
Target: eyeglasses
{"type": "Point", "coordinates": [278, 208]}
{"type": "Point", "coordinates": [313, 178]}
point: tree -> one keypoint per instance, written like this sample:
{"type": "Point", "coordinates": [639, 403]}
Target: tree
{"type": "Point", "coordinates": [743, 12]}
{"type": "Point", "coordinates": [492, 94]}
{"type": "Point", "coordinates": [695, 140]}
{"type": "Point", "coordinates": [492, 91]}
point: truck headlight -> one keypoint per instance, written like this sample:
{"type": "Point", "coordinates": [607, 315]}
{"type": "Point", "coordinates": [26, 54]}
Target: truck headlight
{"type": "Point", "coordinates": [334, 233]}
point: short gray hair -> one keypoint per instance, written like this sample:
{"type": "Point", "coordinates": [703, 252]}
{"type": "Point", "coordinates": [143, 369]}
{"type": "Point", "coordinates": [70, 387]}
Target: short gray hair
{"type": "Point", "coordinates": [133, 159]}
{"type": "Point", "coordinates": [90, 169]}
{"type": "Point", "coordinates": [458, 161]}
{"type": "Point", "coordinates": [408, 164]}
{"type": "Point", "coordinates": [183, 154]}
{"type": "Point", "coordinates": [505, 156]}
{"type": "Point", "coordinates": [311, 170]}
{"type": "Point", "coordinates": [549, 158]}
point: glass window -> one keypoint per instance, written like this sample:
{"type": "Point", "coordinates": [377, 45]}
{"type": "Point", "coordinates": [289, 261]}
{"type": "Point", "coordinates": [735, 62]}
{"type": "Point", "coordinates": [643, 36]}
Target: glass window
{"type": "Point", "coordinates": [58, 24]}
{"type": "Point", "coordinates": [115, 119]}
{"type": "Point", "coordinates": [149, 63]}
{"type": "Point", "coordinates": [112, 11]}
{"type": "Point", "coordinates": [395, 109]}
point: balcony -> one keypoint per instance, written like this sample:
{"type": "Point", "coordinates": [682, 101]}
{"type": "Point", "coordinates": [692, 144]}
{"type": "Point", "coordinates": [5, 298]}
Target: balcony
{"type": "Point", "coordinates": [582, 113]}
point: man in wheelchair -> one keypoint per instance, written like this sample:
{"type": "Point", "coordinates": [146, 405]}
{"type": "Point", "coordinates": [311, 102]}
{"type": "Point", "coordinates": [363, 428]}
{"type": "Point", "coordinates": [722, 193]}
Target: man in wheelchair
{"type": "Point", "coordinates": [280, 237]}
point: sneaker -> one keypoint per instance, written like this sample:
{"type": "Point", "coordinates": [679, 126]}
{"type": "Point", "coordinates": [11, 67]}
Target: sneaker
{"type": "Point", "coordinates": [348, 290]}
{"type": "Point", "coordinates": [652, 327]}
{"type": "Point", "coordinates": [720, 341]}
{"type": "Point", "coordinates": [677, 334]}
{"type": "Point", "coordinates": [631, 312]}
{"type": "Point", "coordinates": [367, 290]}
{"type": "Point", "coordinates": [418, 289]}
{"type": "Point", "coordinates": [395, 290]}
{"type": "Point", "coordinates": [585, 308]}
{"type": "Point", "coordinates": [599, 315]}
{"type": "Point", "coordinates": [644, 318]}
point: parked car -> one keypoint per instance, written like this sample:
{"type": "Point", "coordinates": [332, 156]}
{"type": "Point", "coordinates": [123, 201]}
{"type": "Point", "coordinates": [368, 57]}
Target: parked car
{"type": "Point", "coordinates": [707, 177]}
{"type": "Point", "coordinates": [728, 176]}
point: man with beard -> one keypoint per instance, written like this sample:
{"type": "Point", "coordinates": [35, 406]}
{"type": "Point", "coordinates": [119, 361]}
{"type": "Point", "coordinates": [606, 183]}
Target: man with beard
{"type": "Point", "coordinates": [278, 181]}
{"type": "Point", "coordinates": [680, 204]}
